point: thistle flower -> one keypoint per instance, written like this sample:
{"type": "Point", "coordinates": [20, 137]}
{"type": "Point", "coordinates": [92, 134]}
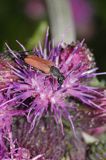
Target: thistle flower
{"type": "Point", "coordinates": [34, 95]}
{"type": "Point", "coordinates": [40, 93]}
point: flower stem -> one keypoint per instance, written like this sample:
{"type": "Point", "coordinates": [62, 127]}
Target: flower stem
{"type": "Point", "coordinates": [61, 19]}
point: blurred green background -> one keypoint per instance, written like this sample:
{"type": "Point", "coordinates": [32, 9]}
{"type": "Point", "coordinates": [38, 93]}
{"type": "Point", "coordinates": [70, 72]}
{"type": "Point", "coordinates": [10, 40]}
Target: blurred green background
{"type": "Point", "coordinates": [27, 20]}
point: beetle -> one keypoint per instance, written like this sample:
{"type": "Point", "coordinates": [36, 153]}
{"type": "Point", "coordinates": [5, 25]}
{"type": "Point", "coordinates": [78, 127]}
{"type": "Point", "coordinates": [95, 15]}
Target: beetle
{"type": "Point", "coordinates": [39, 63]}
{"type": "Point", "coordinates": [45, 66]}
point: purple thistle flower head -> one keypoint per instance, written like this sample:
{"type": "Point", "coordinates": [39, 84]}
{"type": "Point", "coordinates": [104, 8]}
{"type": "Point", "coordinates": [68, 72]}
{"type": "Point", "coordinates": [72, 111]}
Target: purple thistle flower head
{"type": "Point", "coordinates": [29, 92]}
{"type": "Point", "coordinates": [41, 93]}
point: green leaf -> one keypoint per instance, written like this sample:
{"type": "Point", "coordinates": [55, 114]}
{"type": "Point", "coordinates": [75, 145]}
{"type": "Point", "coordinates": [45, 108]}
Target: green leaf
{"type": "Point", "coordinates": [38, 35]}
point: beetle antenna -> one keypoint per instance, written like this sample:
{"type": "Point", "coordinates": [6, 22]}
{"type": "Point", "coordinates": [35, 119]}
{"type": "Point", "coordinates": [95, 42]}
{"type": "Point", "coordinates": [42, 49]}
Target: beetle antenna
{"type": "Point", "coordinates": [22, 47]}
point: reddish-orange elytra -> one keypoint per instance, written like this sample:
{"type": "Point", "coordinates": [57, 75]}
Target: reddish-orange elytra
{"type": "Point", "coordinates": [45, 66]}
{"type": "Point", "coordinates": [39, 63]}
